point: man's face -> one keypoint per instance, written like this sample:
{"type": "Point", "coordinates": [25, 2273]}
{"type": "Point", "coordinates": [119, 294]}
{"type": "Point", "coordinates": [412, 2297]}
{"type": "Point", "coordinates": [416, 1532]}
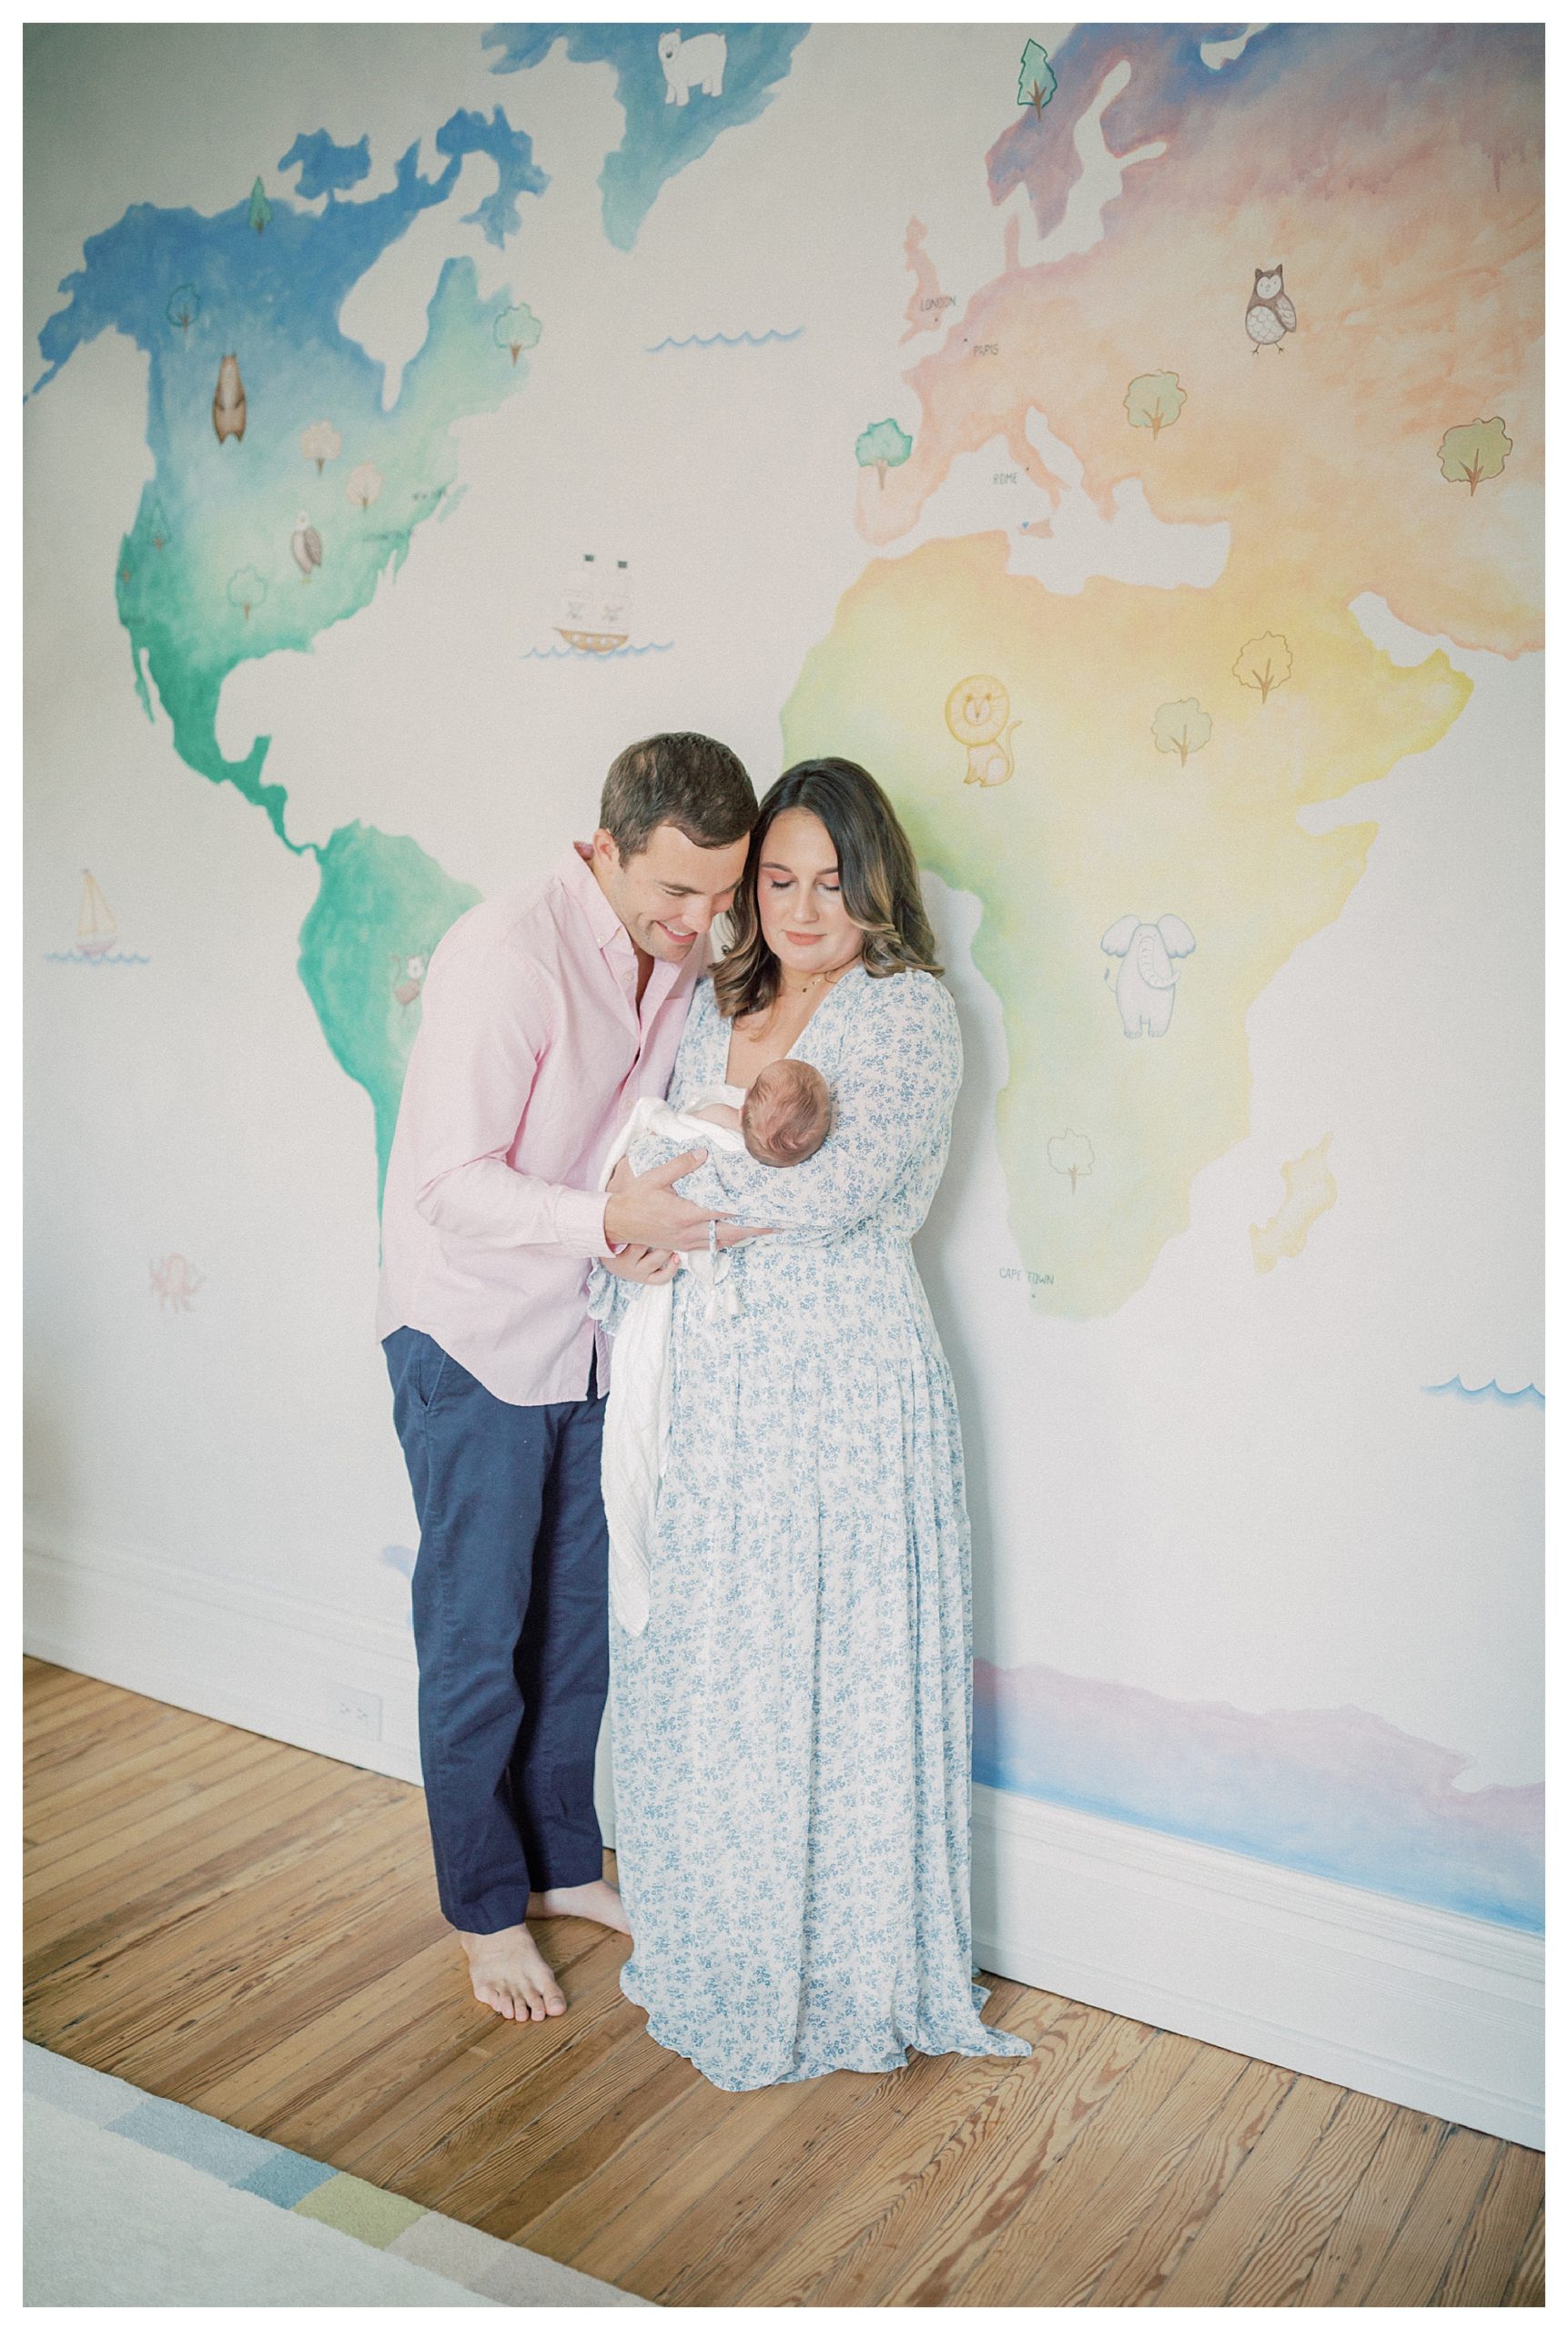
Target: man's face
{"type": "Point", "coordinates": [668, 895]}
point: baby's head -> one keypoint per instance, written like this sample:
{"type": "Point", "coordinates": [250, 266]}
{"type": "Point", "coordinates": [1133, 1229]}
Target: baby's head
{"type": "Point", "coordinates": [788, 1113]}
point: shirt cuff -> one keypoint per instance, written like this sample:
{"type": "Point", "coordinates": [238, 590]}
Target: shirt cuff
{"type": "Point", "coordinates": [580, 1218]}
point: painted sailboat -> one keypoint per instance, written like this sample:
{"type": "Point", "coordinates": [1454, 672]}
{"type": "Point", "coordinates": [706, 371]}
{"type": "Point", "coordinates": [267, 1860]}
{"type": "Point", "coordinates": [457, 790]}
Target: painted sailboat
{"type": "Point", "coordinates": [96, 926]}
{"type": "Point", "coordinates": [595, 615]}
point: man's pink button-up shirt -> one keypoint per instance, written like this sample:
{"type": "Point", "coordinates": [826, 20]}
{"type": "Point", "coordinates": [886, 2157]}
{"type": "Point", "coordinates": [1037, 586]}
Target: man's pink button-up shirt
{"type": "Point", "coordinates": [531, 1050]}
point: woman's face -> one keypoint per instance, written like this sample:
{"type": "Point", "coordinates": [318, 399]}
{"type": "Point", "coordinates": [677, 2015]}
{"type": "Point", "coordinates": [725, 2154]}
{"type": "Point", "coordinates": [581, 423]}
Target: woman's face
{"type": "Point", "coordinates": [798, 903]}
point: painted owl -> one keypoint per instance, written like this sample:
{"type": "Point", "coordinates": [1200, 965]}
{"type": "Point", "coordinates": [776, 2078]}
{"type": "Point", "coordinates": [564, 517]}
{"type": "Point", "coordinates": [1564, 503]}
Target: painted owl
{"type": "Point", "coordinates": [1269, 314]}
{"type": "Point", "coordinates": [228, 400]}
{"type": "Point", "coordinates": [306, 546]}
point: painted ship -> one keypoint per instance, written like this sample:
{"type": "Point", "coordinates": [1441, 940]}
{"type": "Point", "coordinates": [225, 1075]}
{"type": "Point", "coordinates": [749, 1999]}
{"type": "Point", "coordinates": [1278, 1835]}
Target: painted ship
{"type": "Point", "coordinates": [96, 926]}
{"type": "Point", "coordinates": [594, 611]}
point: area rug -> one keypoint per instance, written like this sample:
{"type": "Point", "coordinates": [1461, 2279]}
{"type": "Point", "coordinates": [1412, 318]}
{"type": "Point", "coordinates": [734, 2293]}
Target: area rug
{"type": "Point", "coordinates": [130, 2199]}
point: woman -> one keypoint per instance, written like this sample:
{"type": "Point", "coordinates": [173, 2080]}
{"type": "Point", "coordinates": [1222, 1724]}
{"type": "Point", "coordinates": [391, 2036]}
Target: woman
{"type": "Point", "coordinates": [792, 1727]}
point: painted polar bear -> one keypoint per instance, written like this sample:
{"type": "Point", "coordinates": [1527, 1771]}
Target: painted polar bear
{"type": "Point", "coordinates": [692, 65]}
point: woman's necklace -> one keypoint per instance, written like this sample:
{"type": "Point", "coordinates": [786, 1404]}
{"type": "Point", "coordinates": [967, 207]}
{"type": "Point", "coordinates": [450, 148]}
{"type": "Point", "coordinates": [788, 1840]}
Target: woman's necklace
{"type": "Point", "coordinates": [817, 978]}
{"type": "Point", "coordinates": [755, 1026]}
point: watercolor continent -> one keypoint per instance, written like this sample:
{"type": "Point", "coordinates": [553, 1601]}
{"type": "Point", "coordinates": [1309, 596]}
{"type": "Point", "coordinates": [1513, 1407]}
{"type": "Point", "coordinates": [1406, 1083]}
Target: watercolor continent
{"type": "Point", "coordinates": [208, 575]}
{"type": "Point", "coordinates": [1093, 828]}
{"type": "Point", "coordinates": [1321, 459]}
{"type": "Point", "coordinates": [1334, 1792]}
{"type": "Point", "coordinates": [660, 137]}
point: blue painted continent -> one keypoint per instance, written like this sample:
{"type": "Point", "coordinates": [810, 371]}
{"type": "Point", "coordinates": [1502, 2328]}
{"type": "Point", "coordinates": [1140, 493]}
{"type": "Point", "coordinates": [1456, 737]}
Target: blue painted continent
{"type": "Point", "coordinates": [662, 137]}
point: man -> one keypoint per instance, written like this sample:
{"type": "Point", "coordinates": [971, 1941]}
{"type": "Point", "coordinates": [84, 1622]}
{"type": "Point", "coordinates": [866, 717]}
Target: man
{"type": "Point", "coordinates": [546, 1013]}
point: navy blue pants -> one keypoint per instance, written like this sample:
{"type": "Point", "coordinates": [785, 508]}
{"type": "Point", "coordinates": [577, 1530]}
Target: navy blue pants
{"type": "Point", "coordinates": [512, 1630]}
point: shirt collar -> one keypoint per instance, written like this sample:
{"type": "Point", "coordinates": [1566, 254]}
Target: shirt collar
{"type": "Point", "coordinates": [582, 884]}
{"type": "Point", "coordinates": [607, 926]}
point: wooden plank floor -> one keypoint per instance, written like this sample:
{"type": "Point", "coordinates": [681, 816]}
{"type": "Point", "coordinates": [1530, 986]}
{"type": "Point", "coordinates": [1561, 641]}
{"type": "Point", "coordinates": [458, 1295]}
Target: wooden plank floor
{"type": "Point", "coordinates": [252, 1929]}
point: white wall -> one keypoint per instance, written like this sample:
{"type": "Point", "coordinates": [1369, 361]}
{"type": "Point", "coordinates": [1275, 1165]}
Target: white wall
{"type": "Point", "coordinates": [1259, 1604]}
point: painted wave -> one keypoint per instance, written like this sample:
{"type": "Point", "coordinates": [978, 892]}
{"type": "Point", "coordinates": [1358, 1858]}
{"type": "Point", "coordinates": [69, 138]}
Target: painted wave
{"type": "Point", "coordinates": [582, 655]}
{"type": "Point", "coordinates": [1492, 1390]}
{"type": "Point", "coordinates": [1332, 1791]}
{"type": "Point", "coordinates": [102, 962]}
{"type": "Point", "coordinates": [724, 340]}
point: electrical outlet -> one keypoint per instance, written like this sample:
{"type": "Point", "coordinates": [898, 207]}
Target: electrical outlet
{"type": "Point", "coordinates": [357, 1711]}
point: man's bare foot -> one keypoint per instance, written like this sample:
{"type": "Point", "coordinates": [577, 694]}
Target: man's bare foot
{"type": "Point", "coordinates": [598, 1900]}
{"type": "Point", "coordinates": [509, 1975]}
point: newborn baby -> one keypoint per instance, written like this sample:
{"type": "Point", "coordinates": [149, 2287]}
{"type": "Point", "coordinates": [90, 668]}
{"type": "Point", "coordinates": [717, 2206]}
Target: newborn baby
{"type": "Point", "coordinates": [783, 1118]}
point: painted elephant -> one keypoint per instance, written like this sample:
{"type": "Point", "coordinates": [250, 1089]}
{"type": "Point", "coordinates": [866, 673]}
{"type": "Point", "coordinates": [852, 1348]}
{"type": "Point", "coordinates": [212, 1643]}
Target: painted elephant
{"type": "Point", "coordinates": [1146, 983]}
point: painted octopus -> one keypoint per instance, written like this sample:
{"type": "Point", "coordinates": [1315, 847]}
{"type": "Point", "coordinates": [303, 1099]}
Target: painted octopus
{"type": "Point", "coordinates": [175, 1282]}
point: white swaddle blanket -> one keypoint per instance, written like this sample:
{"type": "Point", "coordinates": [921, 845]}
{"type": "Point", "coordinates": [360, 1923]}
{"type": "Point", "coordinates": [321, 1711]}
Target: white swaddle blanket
{"type": "Point", "coordinates": [637, 1412]}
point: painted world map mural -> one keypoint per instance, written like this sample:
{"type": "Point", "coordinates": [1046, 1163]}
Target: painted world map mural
{"type": "Point", "coordinates": [1181, 496]}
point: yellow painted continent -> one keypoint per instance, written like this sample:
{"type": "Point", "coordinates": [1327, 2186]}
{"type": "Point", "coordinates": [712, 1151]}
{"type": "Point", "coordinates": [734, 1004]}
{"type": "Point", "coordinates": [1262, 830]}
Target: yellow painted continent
{"type": "Point", "coordinates": [1309, 1190]}
{"type": "Point", "coordinates": [1097, 825]}
{"type": "Point", "coordinates": [1132, 832]}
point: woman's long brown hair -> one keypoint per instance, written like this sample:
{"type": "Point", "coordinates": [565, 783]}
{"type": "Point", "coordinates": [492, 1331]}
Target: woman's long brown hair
{"type": "Point", "coordinates": [877, 878]}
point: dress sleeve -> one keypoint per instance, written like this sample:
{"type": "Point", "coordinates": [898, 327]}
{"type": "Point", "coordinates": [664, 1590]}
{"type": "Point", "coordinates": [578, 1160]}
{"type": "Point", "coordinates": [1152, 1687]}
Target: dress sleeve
{"type": "Point", "coordinates": [610, 1297]}
{"type": "Point", "coordinates": [893, 1096]}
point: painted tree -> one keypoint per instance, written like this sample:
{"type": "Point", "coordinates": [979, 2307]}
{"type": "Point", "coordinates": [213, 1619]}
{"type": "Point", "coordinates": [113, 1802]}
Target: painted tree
{"type": "Point", "coordinates": [1477, 451]}
{"type": "Point", "coordinates": [517, 328]}
{"type": "Point", "coordinates": [260, 208]}
{"type": "Point", "coordinates": [1154, 400]}
{"type": "Point", "coordinates": [1071, 1153]}
{"type": "Point", "coordinates": [364, 484]}
{"type": "Point", "coordinates": [883, 447]}
{"type": "Point", "coordinates": [158, 525]}
{"type": "Point", "coordinates": [246, 588]}
{"type": "Point", "coordinates": [1264, 663]}
{"type": "Point", "coordinates": [1036, 82]}
{"type": "Point", "coordinates": [321, 443]}
{"type": "Point", "coordinates": [184, 305]}
{"type": "Point", "coordinates": [1183, 727]}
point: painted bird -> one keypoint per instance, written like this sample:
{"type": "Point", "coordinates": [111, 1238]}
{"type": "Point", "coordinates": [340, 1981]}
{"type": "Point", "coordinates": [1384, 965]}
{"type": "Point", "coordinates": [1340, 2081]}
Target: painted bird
{"type": "Point", "coordinates": [306, 546]}
{"type": "Point", "coordinates": [1270, 312]}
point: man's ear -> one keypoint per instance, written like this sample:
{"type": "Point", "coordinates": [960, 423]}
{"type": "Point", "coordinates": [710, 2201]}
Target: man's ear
{"type": "Point", "coordinates": [605, 849]}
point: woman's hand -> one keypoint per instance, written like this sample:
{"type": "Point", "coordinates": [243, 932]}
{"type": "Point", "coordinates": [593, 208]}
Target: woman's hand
{"type": "Point", "coordinates": [648, 1265]}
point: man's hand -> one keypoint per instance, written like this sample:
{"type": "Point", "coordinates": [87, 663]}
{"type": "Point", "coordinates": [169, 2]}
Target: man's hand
{"type": "Point", "coordinates": [648, 1265]}
{"type": "Point", "coordinates": [644, 1210]}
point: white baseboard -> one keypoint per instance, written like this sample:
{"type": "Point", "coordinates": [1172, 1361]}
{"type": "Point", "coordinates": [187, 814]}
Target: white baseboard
{"type": "Point", "coordinates": [272, 1662]}
{"type": "Point", "coordinates": [1438, 2012]}
{"type": "Point", "coordinates": [264, 1659]}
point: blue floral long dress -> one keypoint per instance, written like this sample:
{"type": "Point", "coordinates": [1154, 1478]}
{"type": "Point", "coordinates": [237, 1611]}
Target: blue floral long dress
{"type": "Point", "coordinates": [792, 1730]}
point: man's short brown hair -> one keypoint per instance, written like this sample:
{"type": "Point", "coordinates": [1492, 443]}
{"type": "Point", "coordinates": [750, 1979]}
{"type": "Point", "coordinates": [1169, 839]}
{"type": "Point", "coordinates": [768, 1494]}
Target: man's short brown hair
{"type": "Point", "coordinates": [683, 780]}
